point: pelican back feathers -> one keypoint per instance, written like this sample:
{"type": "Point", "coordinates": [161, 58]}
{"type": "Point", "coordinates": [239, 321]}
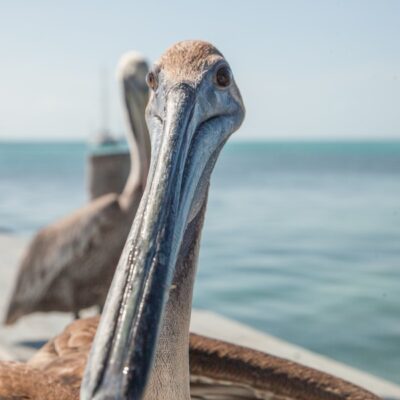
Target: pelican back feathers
{"type": "Point", "coordinates": [218, 370]}
{"type": "Point", "coordinates": [69, 264]}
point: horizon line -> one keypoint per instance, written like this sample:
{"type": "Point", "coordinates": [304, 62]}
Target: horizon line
{"type": "Point", "coordinates": [350, 139]}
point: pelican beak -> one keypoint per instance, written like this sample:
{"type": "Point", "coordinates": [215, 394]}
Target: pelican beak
{"type": "Point", "coordinates": [136, 95]}
{"type": "Point", "coordinates": [122, 356]}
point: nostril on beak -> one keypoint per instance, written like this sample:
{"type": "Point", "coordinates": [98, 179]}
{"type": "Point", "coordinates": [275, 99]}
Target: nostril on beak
{"type": "Point", "coordinates": [156, 116]}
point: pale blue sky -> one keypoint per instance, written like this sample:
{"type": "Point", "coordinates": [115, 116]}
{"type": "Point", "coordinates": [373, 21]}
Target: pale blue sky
{"type": "Point", "coordinates": [306, 69]}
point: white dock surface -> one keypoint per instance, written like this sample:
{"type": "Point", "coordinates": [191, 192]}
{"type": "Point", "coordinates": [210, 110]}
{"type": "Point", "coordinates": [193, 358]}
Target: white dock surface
{"type": "Point", "coordinates": [21, 340]}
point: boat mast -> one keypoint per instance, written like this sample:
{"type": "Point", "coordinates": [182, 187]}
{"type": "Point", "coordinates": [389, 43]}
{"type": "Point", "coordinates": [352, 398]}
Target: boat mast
{"type": "Point", "coordinates": [104, 105]}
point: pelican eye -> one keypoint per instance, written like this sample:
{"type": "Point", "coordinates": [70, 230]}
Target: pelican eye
{"type": "Point", "coordinates": [152, 81]}
{"type": "Point", "coordinates": [223, 76]}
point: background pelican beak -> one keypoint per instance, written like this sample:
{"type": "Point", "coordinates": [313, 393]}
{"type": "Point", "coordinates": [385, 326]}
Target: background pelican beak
{"type": "Point", "coordinates": [135, 105]}
{"type": "Point", "coordinates": [122, 355]}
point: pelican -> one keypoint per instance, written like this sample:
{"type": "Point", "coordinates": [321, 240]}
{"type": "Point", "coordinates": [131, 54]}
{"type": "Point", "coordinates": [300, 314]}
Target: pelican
{"type": "Point", "coordinates": [141, 347]}
{"type": "Point", "coordinates": [69, 264]}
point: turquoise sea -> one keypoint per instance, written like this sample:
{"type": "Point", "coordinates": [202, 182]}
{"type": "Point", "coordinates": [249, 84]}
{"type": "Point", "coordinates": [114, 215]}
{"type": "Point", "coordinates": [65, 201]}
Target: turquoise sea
{"type": "Point", "coordinates": [301, 240]}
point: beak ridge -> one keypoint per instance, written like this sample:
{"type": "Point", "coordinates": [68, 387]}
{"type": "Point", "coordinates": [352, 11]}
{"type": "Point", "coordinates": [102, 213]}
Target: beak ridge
{"type": "Point", "coordinates": [123, 351]}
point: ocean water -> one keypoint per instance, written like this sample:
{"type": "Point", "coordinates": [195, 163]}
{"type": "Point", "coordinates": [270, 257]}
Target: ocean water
{"type": "Point", "coordinates": [301, 240]}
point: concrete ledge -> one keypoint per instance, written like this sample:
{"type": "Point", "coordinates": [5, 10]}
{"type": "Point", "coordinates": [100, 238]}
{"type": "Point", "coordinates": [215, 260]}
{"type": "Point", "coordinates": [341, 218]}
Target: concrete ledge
{"type": "Point", "coordinates": [5, 355]}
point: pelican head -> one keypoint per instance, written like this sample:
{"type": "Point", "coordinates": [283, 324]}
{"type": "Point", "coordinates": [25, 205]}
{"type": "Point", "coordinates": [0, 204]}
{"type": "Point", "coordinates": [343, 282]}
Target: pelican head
{"type": "Point", "coordinates": [194, 107]}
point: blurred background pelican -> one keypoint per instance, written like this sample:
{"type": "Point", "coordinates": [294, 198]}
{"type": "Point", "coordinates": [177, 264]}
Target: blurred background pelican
{"type": "Point", "coordinates": [70, 263]}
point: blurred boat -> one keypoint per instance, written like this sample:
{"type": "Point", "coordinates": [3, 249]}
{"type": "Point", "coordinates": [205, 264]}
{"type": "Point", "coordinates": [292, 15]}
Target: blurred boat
{"type": "Point", "coordinates": [108, 166]}
{"type": "Point", "coordinates": [108, 161]}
